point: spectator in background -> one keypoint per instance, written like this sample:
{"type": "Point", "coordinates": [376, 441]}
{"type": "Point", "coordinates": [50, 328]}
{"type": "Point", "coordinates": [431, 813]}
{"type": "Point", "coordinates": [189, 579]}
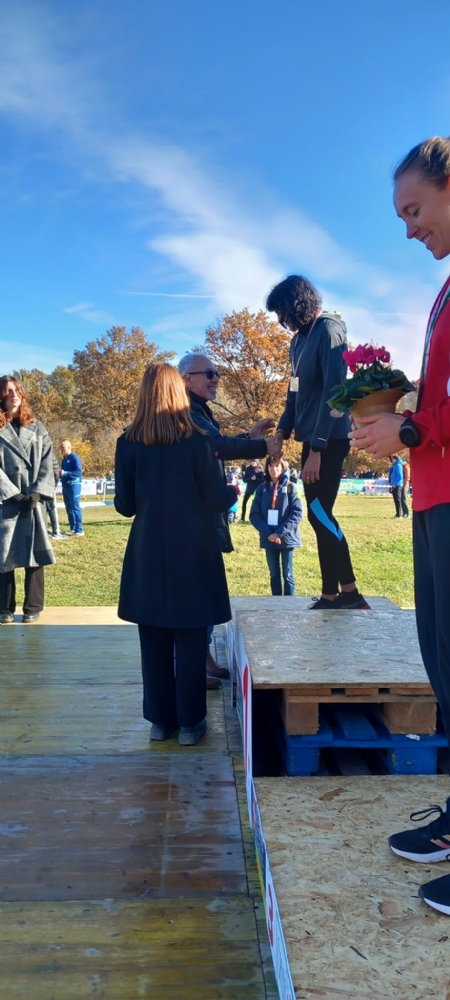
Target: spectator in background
{"type": "Point", "coordinates": [71, 476]}
{"type": "Point", "coordinates": [26, 480]}
{"type": "Point", "coordinates": [406, 481]}
{"type": "Point", "coordinates": [51, 507]}
{"type": "Point", "coordinates": [396, 478]}
{"type": "Point", "coordinates": [276, 513]}
{"type": "Point", "coordinates": [253, 477]}
{"type": "Point", "coordinates": [173, 580]}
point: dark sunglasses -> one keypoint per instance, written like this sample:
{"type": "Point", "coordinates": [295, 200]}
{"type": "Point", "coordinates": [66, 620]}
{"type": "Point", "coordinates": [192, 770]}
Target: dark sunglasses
{"type": "Point", "coordinates": [209, 372]}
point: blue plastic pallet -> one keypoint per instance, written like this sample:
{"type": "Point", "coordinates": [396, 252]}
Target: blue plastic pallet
{"type": "Point", "coordinates": [359, 727]}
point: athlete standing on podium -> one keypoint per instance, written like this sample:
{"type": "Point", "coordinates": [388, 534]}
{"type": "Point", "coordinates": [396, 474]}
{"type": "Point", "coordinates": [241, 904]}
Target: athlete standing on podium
{"type": "Point", "coordinates": [422, 200]}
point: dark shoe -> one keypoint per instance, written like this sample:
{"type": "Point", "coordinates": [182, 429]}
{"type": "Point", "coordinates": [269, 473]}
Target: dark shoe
{"type": "Point", "coordinates": [28, 619]}
{"type": "Point", "coordinates": [161, 732]}
{"type": "Point", "coordinates": [428, 843]}
{"type": "Point", "coordinates": [213, 669]}
{"type": "Point", "coordinates": [351, 601]}
{"type": "Point", "coordinates": [6, 618]}
{"type": "Point", "coordinates": [321, 604]}
{"type": "Point", "coordinates": [212, 683]}
{"type": "Point", "coordinates": [437, 894]}
{"type": "Point", "coordinates": [189, 736]}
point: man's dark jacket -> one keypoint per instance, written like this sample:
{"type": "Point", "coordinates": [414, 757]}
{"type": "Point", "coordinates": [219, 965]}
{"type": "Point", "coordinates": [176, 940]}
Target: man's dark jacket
{"type": "Point", "coordinates": [252, 478]}
{"type": "Point", "coordinates": [227, 449]}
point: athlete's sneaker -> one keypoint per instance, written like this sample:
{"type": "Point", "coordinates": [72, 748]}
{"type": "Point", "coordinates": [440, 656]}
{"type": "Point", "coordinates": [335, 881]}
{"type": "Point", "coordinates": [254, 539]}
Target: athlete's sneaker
{"type": "Point", "coordinates": [351, 600]}
{"type": "Point", "coordinates": [321, 604]}
{"type": "Point", "coordinates": [437, 894]}
{"type": "Point", "coordinates": [426, 844]}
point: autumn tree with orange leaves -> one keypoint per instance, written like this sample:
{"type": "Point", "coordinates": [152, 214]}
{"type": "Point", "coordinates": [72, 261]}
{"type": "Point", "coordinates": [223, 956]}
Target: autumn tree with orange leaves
{"type": "Point", "coordinates": [251, 352]}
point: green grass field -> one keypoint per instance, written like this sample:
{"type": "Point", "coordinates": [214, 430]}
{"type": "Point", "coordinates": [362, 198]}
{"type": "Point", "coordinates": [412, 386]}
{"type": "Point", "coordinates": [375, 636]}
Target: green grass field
{"type": "Point", "coordinates": [88, 569]}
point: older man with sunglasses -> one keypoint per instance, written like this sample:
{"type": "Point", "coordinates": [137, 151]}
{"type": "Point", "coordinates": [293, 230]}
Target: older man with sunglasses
{"type": "Point", "coordinates": [202, 381]}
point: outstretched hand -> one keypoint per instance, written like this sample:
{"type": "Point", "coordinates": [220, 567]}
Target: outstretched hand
{"type": "Point", "coordinates": [261, 428]}
{"type": "Point", "coordinates": [379, 435]}
{"type": "Point", "coordinates": [275, 446]}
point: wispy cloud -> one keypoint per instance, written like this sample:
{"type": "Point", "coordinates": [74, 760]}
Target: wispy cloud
{"type": "Point", "coordinates": [99, 317]}
{"type": "Point", "coordinates": [168, 295]}
{"type": "Point", "coordinates": [233, 248]}
{"type": "Point", "coordinates": [15, 354]}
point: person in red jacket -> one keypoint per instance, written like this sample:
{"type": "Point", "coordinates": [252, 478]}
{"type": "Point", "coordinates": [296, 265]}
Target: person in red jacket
{"type": "Point", "coordinates": [422, 200]}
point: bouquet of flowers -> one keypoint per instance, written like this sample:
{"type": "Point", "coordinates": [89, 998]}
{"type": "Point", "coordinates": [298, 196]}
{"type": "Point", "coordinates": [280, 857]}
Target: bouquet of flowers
{"type": "Point", "coordinates": [374, 386]}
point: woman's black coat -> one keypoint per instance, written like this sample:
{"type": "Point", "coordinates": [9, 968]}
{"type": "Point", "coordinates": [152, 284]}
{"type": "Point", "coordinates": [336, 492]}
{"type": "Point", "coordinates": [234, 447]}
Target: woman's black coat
{"type": "Point", "coordinates": [173, 574]}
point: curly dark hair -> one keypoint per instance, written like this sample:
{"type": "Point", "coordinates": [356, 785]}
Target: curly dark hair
{"type": "Point", "coordinates": [25, 414]}
{"type": "Point", "coordinates": [296, 301]}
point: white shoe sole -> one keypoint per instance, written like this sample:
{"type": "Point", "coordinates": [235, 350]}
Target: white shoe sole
{"type": "Point", "coordinates": [437, 906]}
{"type": "Point", "coordinates": [425, 859]}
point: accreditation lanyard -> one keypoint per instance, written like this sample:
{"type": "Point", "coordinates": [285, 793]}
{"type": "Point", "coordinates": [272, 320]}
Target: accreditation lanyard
{"type": "Point", "coordinates": [295, 369]}
{"type": "Point", "coordinates": [272, 513]}
{"type": "Point", "coordinates": [439, 305]}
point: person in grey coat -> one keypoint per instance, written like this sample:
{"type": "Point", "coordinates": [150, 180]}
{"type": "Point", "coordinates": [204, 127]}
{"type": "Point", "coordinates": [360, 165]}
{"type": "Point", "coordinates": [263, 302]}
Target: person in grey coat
{"type": "Point", "coordinates": [26, 481]}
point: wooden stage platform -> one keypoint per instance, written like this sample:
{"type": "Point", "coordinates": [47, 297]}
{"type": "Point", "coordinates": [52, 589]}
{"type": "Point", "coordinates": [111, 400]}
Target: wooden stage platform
{"type": "Point", "coordinates": [343, 914]}
{"type": "Point", "coordinates": [127, 869]}
{"type": "Point", "coordinates": [354, 926]}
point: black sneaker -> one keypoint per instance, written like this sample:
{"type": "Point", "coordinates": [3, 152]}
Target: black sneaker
{"type": "Point", "coordinates": [427, 844]}
{"type": "Point", "coordinates": [351, 601]}
{"type": "Point", "coordinates": [321, 604]}
{"type": "Point", "coordinates": [437, 894]}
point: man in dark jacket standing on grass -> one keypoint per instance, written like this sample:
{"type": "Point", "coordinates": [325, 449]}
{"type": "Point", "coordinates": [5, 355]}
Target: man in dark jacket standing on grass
{"type": "Point", "coordinates": [202, 380]}
{"type": "Point", "coordinates": [253, 477]}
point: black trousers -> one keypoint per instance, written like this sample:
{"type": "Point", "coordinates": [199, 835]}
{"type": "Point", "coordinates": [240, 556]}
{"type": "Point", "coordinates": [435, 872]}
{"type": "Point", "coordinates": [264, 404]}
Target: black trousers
{"type": "Point", "coordinates": [34, 591]}
{"type": "Point", "coordinates": [401, 507]}
{"type": "Point", "coordinates": [431, 543]}
{"type": "Point", "coordinates": [173, 673]}
{"type": "Point", "coordinates": [247, 497]}
{"type": "Point", "coordinates": [334, 557]}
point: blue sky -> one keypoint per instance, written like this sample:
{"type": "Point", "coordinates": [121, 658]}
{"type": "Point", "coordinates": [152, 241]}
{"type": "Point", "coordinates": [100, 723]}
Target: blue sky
{"type": "Point", "coordinates": [164, 163]}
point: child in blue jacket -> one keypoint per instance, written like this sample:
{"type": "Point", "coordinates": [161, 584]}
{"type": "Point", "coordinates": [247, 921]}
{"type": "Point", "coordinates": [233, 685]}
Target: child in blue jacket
{"type": "Point", "coordinates": [276, 513]}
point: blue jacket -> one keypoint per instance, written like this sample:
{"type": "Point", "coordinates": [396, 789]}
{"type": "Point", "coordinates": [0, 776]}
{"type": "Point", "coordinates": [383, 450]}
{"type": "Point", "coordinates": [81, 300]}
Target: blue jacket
{"type": "Point", "coordinates": [72, 469]}
{"type": "Point", "coordinates": [396, 473]}
{"type": "Point", "coordinates": [290, 513]}
{"type": "Point", "coordinates": [318, 363]}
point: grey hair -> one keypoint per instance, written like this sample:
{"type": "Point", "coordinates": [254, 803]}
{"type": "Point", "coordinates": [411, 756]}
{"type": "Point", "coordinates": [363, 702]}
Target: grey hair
{"type": "Point", "coordinates": [187, 361]}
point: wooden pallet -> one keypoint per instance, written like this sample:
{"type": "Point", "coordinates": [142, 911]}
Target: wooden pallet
{"type": "Point", "coordinates": [314, 658]}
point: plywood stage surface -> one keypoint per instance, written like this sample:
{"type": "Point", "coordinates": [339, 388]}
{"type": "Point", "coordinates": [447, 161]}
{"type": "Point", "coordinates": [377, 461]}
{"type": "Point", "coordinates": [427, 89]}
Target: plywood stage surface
{"type": "Point", "coordinates": [354, 925]}
{"type": "Point", "coordinates": [337, 649]}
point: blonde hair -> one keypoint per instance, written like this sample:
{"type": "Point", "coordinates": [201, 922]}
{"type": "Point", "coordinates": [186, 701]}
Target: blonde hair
{"type": "Point", "coordinates": [163, 413]}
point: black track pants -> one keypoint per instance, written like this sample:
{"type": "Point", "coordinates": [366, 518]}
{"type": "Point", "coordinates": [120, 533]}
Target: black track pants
{"type": "Point", "coordinates": [431, 540]}
{"type": "Point", "coordinates": [334, 556]}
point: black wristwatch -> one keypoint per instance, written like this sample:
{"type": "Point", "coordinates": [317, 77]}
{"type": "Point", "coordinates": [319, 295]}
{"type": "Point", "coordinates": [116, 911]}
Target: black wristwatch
{"type": "Point", "coordinates": [409, 434]}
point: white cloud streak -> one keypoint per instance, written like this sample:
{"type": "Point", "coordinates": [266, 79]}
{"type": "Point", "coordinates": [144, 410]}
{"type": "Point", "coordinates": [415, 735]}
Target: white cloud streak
{"type": "Point", "coordinates": [233, 252]}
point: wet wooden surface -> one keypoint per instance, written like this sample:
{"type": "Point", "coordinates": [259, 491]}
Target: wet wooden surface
{"type": "Point", "coordinates": [326, 649]}
{"type": "Point", "coordinates": [353, 922]}
{"type": "Point", "coordinates": [122, 827]}
{"type": "Point", "coordinates": [122, 869]}
{"type": "Point", "coordinates": [124, 950]}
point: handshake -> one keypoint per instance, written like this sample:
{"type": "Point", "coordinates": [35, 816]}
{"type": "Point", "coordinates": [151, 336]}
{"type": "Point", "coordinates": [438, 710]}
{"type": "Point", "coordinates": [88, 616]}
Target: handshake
{"type": "Point", "coordinates": [27, 502]}
{"type": "Point", "coordinates": [275, 443]}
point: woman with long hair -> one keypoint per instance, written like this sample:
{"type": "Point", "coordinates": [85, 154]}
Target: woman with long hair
{"type": "Point", "coordinates": [173, 580]}
{"type": "Point", "coordinates": [26, 482]}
